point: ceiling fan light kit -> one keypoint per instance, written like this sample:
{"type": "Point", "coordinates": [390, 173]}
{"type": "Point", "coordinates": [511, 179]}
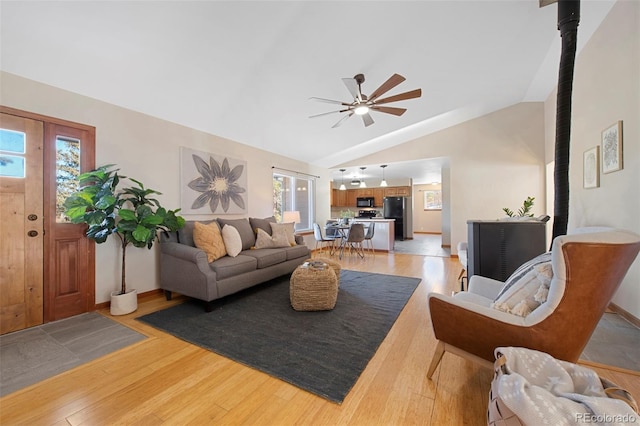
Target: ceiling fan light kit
{"type": "Point", "coordinates": [363, 105]}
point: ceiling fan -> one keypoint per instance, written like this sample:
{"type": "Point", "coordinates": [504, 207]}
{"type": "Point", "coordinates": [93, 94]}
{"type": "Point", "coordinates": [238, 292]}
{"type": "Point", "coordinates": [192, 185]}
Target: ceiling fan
{"type": "Point", "coordinates": [362, 104]}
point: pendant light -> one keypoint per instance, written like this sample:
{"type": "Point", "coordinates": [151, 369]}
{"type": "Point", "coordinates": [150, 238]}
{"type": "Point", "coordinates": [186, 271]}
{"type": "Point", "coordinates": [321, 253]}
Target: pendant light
{"type": "Point", "coordinates": [384, 182]}
{"type": "Point", "coordinates": [362, 182]}
{"type": "Point", "coordinates": [342, 187]}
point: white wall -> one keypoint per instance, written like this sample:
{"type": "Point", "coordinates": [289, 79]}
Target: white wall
{"type": "Point", "coordinates": [148, 149]}
{"type": "Point", "coordinates": [427, 221]}
{"type": "Point", "coordinates": [495, 161]}
{"type": "Point", "coordinates": [606, 89]}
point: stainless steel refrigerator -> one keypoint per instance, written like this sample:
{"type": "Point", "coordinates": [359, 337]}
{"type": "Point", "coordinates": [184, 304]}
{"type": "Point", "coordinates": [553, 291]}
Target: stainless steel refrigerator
{"type": "Point", "coordinates": [399, 208]}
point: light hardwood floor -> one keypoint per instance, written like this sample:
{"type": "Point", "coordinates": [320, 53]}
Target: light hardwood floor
{"type": "Point", "coordinates": [165, 381]}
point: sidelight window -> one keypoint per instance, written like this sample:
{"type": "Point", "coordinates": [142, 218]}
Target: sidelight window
{"type": "Point", "coordinates": [67, 172]}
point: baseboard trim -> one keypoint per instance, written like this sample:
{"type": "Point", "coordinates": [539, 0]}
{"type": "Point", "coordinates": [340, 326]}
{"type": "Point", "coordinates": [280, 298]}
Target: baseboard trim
{"type": "Point", "coordinates": [427, 232]}
{"type": "Point", "coordinates": [624, 314]}
{"type": "Point", "coordinates": [146, 294]}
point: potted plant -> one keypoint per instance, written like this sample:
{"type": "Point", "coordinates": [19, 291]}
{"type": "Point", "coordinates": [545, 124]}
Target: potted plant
{"type": "Point", "coordinates": [523, 212]}
{"type": "Point", "coordinates": [128, 213]}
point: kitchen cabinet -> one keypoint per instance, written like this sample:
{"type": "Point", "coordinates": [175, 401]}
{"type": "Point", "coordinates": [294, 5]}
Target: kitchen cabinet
{"type": "Point", "coordinates": [378, 196]}
{"type": "Point", "coordinates": [397, 191]}
{"type": "Point", "coordinates": [352, 194]}
{"type": "Point", "coordinates": [338, 198]}
{"type": "Point", "coordinates": [347, 198]}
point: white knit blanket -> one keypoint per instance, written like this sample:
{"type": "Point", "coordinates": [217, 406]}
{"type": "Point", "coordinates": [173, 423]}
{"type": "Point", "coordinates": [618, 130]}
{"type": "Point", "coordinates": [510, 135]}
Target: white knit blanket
{"type": "Point", "coordinates": [542, 390]}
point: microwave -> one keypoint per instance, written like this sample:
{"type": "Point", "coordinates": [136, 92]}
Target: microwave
{"type": "Point", "coordinates": [365, 202]}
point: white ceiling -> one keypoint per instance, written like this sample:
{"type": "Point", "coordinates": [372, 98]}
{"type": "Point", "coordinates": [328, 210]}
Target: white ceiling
{"type": "Point", "coordinates": [246, 70]}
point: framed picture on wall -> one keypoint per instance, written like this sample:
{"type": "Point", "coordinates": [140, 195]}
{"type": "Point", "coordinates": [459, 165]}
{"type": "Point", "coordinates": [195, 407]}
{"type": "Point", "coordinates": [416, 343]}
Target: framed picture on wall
{"type": "Point", "coordinates": [591, 168]}
{"type": "Point", "coordinates": [612, 148]}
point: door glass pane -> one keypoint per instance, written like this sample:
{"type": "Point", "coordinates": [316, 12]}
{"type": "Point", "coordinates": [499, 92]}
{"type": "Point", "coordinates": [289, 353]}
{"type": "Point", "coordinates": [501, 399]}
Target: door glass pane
{"type": "Point", "coordinates": [12, 141]}
{"type": "Point", "coordinates": [67, 172]}
{"type": "Point", "coordinates": [11, 166]}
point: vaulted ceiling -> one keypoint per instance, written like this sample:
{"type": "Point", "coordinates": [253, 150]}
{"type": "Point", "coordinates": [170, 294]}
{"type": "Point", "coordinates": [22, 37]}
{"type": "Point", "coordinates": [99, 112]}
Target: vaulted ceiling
{"type": "Point", "coordinates": [246, 70]}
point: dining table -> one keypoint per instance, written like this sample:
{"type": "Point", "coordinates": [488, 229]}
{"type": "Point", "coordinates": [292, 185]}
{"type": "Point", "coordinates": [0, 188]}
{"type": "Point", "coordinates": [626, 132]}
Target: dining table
{"type": "Point", "coordinates": [343, 232]}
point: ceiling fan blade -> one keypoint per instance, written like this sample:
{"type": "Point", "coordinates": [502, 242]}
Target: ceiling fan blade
{"type": "Point", "coordinates": [352, 86]}
{"type": "Point", "coordinates": [401, 97]}
{"type": "Point", "coordinates": [392, 82]}
{"type": "Point", "coordinates": [327, 113]}
{"type": "Point", "coordinates": [330, 101]}
{"type": "Point", "coordinates": [389, 110]}
{"type": "Point", "coordinates": [341, 120]}
{"type": "Point", "coordinates": [367, 120]}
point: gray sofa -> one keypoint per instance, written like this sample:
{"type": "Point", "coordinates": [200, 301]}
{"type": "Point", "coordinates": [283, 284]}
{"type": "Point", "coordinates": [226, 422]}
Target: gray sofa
{"type": "Point", "coordinates": [185, 269]}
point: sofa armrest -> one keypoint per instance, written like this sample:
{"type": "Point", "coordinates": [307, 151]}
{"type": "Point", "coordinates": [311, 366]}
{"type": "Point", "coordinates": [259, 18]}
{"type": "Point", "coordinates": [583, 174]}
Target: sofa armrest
{"type": "Point", "coordinates": [185, 269]}
{"type": "Point", "coordinates": [184, 252]}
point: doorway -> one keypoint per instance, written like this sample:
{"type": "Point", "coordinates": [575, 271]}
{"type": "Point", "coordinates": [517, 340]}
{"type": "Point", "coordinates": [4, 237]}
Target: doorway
{"type": "Point", "coordinates": [48, 265]}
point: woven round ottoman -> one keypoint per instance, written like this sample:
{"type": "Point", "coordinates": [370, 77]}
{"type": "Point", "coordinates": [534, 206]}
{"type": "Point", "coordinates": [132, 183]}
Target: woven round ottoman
{"type": "Point", "coordinates": [313, 288]}
{"type": "Point", "coordinates": [332, 264]}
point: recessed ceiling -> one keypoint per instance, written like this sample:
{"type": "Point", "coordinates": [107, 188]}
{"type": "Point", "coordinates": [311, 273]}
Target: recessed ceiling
{"type": "Point", "coordinates": [246, 70]}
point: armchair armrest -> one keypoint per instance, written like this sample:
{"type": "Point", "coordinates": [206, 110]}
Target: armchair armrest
{"type": "Point", "coordinates": [486, 287]}
{"type": "Point", "coordinates": [474, 328]}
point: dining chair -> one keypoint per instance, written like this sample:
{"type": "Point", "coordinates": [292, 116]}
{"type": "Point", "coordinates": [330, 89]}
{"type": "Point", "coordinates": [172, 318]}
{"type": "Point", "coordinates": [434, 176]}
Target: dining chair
{"type": "Point", "coordinates": [368, 238]}
{"type": "Point", "coordinates": [323, 240]}
{"type": "Point", "coordinates": [355, 238]}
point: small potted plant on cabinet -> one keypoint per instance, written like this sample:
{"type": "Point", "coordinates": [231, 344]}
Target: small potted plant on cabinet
{"type": "Point", "coordinates": [128, 213]}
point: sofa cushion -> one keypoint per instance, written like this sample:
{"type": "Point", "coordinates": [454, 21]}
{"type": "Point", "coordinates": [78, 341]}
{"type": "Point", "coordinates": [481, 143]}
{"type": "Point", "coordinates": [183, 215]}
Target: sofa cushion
{"type": "Point", "coordinates": [226, 266]}
{"type": "Point", "coordinates": [244, 229]}
{"type": "Point", "coordinates": [232, 240]}
{"type": "Point", "coordinates": [297, 251]}
{"type": "Point", "coordinates": [264, 240]}
{"type": "Point", "coordinates": [185, 234]}
{"type": "Point", "coordinates": [267, 257]}
{"type": "Point", "coordinates": [208, 238]}
{"type": "Point", "coordinates": [264, 224]}
{"type": "Point", "coordinates": [288, 228]}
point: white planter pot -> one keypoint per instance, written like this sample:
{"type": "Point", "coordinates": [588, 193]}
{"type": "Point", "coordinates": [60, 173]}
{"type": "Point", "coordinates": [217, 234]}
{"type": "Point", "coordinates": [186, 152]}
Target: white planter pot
{"type": "Point", "coordinates": [122, 304]}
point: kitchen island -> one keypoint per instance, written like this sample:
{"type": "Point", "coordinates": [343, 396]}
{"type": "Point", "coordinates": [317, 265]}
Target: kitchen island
{"type": "Point", "coordinates": [383, 237]}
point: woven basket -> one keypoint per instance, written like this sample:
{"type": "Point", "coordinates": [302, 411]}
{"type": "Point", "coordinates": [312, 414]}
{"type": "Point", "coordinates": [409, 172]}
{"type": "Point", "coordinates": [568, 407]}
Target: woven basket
{"type": "Point", "coordinates": [498, 414]}
{"type": "Point", "coordinates": [332, 264]}
{"type": "Point", "coordinates": [313, 289]}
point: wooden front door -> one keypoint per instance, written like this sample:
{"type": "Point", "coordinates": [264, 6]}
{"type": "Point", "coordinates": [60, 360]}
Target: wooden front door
{"type": "Point", "coordinates": [47, 265]}
{"type": "Point", "coordinates": [70, 264]}
{"type": "Point", "coordinates": [21, 223]}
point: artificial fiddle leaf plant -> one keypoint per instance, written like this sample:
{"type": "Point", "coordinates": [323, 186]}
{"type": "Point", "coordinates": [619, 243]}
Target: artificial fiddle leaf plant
{"type": "Point", "coordinates": [129, 213]}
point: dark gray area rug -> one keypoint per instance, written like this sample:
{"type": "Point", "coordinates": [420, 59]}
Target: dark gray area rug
{"type": "Point", "coordinates": [323, 352]}
{"type": "Point", "coordinates": [35, 354]}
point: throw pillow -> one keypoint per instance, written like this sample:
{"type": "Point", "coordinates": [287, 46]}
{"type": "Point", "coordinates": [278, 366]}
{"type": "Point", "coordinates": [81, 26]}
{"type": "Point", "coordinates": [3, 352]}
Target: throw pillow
{"type": "Point", "coordinates": [278, 239]}
{"type": "Point", "coordinates": [264, 224]}
{"type": "Point", "coordinates": [232, 240]}
{"type": "Point", "coordinates": [247, 235]}
{"type": "Point", "coordinates": [527, 288]}
{"type": "Point", "coordinates": [288, 229]}
{"type": "Point", "coordinates": [208, 238]}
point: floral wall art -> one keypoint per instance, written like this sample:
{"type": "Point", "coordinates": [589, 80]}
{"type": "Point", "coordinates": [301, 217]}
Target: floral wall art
{"type": "Point", "coordinates": [212, 184]}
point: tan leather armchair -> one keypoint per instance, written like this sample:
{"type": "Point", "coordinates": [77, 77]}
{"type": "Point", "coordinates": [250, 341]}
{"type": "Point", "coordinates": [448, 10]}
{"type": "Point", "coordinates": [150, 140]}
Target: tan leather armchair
{"type": "Point", "coordinates": [588, 266]}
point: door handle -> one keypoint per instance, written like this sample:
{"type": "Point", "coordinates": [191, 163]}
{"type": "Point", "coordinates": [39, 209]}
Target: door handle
{"type": "Point", "coordinates": [32, 233]}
